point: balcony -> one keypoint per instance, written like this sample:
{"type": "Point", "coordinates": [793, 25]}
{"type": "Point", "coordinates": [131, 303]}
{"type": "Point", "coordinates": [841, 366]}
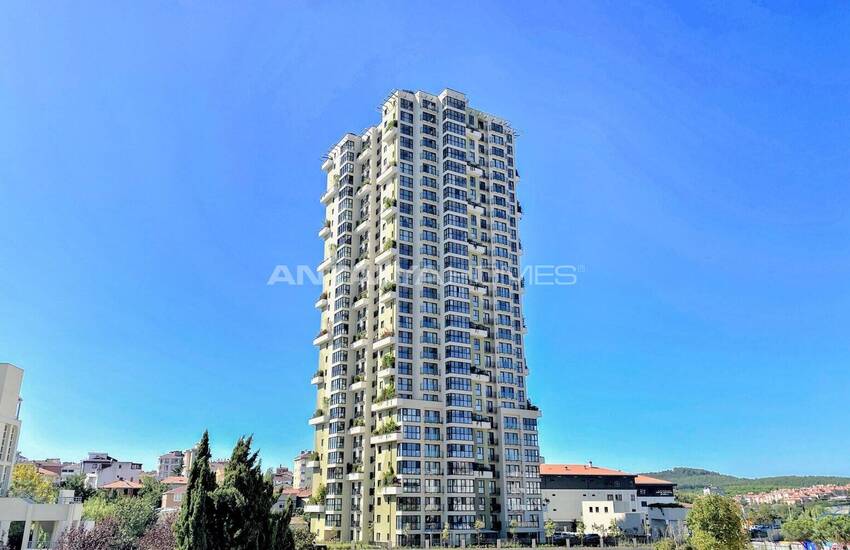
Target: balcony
{"type": "Point", "coordinates": [389, 211]}
{"type": "Point", "coordinates": [385, 438]}
{"type": "Point", "coordinates": [325, 266]}
{"type": "Point", "coordinates": [364, 189]}
{"type": "Point", "coordinates": [314, 508]}
{"type": "Point", "coordinates": [362, 226]}
{"type": "Point", "coordinates": [357, 386]}
{"type": "Point", "coordinates": [479, 375]}
{"type": "Point", "coordinates": [389, 490]}
{"type": "Point", "coordinates": [325, 231]}
{"type": "Point", "coordinates": [323, 338]}
{"type": "Point", "coordinates": [317, 421]}
{"type": "Point", "coordinates": [387, 339]}
{"type": "Point", "coordinates": [384, 405]}
{"type": "Point", "coordinates": [318, 379]}
{"type": "Point", "coordinates": [387, 255]}
{"type": "Point", "coordinates": [385, 175]}
{"type": "Point", "coordinates": [328, 165]}
{"type": "Point", "coordinates": [328, 197]}
{"type": "Point", "coordinates": [322, 302]}
{"type": "Point", "coordinates": [390, 130]}
{"type": "Point", "coordinates": [360, 341]}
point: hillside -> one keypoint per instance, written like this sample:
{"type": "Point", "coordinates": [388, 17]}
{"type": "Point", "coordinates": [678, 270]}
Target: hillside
{"type": "Point", "coordinates": [694, 479]}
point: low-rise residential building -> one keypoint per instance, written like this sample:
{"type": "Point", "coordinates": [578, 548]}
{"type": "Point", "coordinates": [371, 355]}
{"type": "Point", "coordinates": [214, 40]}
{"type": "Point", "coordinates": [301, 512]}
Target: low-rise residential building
{"type": "Point", "coordinates": [297, 496]}
{"type": "Point", "coordinates": [174, 481]}
{"type": "Point", "coordinates": [282, 477]}
{"type": "Point", "coordinates": [69, 470]}
{"type": "Point", "coordinates": [302, 475]}
{"type": "Point", "coordinates": [599, 496]}
{"type": "Point", "coordinates": [172, 499]}
{"type": "Point", "coordinates": [101, 469]}
{"type": "Point", "coordinates": [170, 464]}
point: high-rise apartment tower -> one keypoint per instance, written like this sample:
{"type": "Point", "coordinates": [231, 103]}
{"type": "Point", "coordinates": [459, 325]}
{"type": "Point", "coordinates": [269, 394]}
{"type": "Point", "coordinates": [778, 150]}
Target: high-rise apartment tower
{"type": "Point", "coordinates": [423, 423]}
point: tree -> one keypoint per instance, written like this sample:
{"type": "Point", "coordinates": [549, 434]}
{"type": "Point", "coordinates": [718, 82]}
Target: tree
{"type": "Point", "coordinates": [580, 530]}
{"type": "Point", "coordinates": [304, 538]}
{"type": "Point", "coordinates": [549, 529]}
{"type": "Point", "coordinates": [77, 483]}
{"type": "Point", "coordinates": [104, 536]}
{"type": "Point", "coordinates": [716, 524]}
{"type": "Point", "coordinates": [833, 529]}
{"type": "Point", "coordinates": [280, 536]}
{"type": "Point", "coordinates": [160, 535]}
{"type": "Point", "coordinates": [195, 520]}
{"type": "Point", "coordinates": [479, 525]}
{"type": "Point", "coordinates": [98, 508]}
{"type": "Point", "coordinates": [512, 527]}
{"type": "Point", "coordinates": [665, 544]}
{"type": "Point", "coordinates": [799, 528]}
{"type": "Point", "coordinates": [614, 529]}
{"type": "Point", "coordinates": [444, 534]}
{"type": "Point", "coordinates": [28, 483]}
{"type": "Point", "coordinates": [152, 491]}
{"type": "Point", "coordinates": [134, 516]}
{"type": "Point", "coordinates": [243, 501]}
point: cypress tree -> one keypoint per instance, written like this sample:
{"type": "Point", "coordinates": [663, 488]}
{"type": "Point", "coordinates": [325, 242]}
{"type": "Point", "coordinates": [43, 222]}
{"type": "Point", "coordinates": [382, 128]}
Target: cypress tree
{"type": "Point", "coordinates": [192, 528]}
{"type": "Point", "coordinates": [279, 535]}
{"type": "Point", "coordinates": [243, 501]}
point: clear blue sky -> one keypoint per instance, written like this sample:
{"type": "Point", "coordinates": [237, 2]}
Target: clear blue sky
{"type": "Point", "coordinates": [158, 159]}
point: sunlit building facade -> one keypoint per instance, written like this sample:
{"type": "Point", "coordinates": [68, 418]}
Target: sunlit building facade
{"type": "Point", "coordinates": [423, 426]}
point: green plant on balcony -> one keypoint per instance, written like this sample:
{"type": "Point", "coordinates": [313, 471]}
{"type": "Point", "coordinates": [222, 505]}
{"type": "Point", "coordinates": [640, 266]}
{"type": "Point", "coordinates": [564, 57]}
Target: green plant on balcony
{"type": "Point", "coordinates": [388, 361]}
{"type": "Point", "coordinates": [319, 374]}
{"type": "Point", "coordinates": [389, 202]}
{"type": "Point", "coordinates": [389, 286]}
{"type": "Point", "coordinates": [387, 334]}
{"type": "Point", "coordinates": [390, 124]}
{"type": "Point", "coordinates": [363, 294]}
{"type": "Point", "coordinates": [313, 455]}
{"type": "Point", "coordinates": [357, 378]}
{"type": "Point", "coordinates": [387, 392]}
{"type": "Point", "coordinates": [360, 335]}
{"type": "Point", "coordinates": [388, 427]}
{"type": "Point", "coordinates": [318, 413]}
{"type": "Point", "coordinates": [388, 478]}
{"type": "Point", "coordinates": [319, 496]}
{"type": "Point", "coordinates": [359, 421]}
{"type": "Point", "coordinates": [327, 223]}
{"type": "Point", "coordinates": [389, 245]}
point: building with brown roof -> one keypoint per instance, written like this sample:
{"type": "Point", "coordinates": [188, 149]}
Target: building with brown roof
{"type": "Point", "coordinates": [597, 496]}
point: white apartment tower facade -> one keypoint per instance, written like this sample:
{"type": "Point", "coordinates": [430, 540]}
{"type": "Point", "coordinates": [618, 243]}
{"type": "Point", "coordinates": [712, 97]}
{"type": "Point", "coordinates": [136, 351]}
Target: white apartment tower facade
{"type": "Point", "coordinates": [423, 424]}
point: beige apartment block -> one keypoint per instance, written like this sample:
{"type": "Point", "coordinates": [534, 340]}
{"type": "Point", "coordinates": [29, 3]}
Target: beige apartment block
{"type": "Point", "coordinates": [423, 424]}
